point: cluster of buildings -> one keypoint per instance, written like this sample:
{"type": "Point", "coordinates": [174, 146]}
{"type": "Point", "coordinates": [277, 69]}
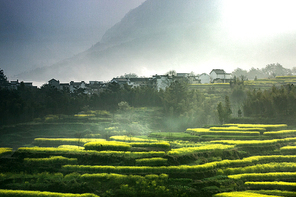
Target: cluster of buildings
{"type": "Point", "coordinates": [13, 85]}
{"type": "Point", "coordinates": [156, 81]}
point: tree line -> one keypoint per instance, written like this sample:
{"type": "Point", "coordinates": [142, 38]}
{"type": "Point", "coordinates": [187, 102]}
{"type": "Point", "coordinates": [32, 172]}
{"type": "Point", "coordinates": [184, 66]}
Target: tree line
{"type": "Point", "coordinates": [273, 103]}
{"type": "Point", "coordinates": [181, 107]}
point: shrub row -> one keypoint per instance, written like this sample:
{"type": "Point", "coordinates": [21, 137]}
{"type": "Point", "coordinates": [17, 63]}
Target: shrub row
{"type": "Point", "coordinates": [271, 176]}
{"type": "Point", "coordinates": [196, 168]}
{"type": "Point", "coordinates": [255, 160]}
{"type": "Point", "coordinates": [53, 160]}
{"type": "Point", "coordinates": [280, 133]}
{"type": "Point", "coordinates": [260, 168]}
{"type": "Point", "coordinates": [290, 186]}
{"type": "Point", "coordinates": [163, 145]}
{"type": "Point", "coordinates": [63, 141]}
{"type": "Point", "coordinates": [4, 151]}
{"type": "Point", "coordinates": [241, 194]}
{"type": "Point", "coordinates": [121, 177]}
{"type": "Point", "coordinates": [288, 149]}
{"type": "Point", "coordinates": [25, 193]}
{"type": "Point", "coordinates": [140, 169]}
{"type": "Point", "coordinates": [125, 138]}
{"type": "Point", "coordinates": [274, 192]}
{"type": "Point", "coordinates": [201, 131]}
{"type": "Point", "coordinates": [107, 145]}
{"type": "Point", "coordinates": [233, 128]}
{"type": "Point", "coordinates": [156, 161]}
{"type": "Point", "coordinates": [173, 135]}
{"type": "Point", "coordinates": [192, 150]}
{"type": "Point", "coordinates": [268, 127]}
{"type": "Point", "coordinates": [70, 152]}
{"type": "Point", "coordinates": [254, 142]}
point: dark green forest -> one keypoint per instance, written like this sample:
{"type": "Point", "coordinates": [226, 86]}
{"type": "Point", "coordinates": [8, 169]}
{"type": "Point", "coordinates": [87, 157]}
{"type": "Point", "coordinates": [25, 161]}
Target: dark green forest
{"type": "Point", "coordinates": [181, 106]}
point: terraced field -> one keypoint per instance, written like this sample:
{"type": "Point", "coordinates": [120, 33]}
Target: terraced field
{"type": "Point", "coordinates": [230, 160]}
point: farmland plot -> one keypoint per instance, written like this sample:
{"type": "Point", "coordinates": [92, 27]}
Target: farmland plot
{"type": "Point", "coordinates": [262, 165]}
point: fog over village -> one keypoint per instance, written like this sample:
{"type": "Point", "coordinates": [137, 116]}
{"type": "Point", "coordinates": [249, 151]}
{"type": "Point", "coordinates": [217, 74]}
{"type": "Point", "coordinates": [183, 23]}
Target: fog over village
{"type": "Point", "coordinates": [164, 98]}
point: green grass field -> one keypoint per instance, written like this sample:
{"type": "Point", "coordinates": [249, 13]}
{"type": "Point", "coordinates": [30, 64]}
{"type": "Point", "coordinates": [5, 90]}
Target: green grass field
{"type": "Point", "coordinates": [232, 160]}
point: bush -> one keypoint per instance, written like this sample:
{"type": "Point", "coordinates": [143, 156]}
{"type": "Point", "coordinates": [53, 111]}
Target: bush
{"type": "Point", "coordinates": [156, 161]}
{"type": "Point", "coordinates": [107, 145]}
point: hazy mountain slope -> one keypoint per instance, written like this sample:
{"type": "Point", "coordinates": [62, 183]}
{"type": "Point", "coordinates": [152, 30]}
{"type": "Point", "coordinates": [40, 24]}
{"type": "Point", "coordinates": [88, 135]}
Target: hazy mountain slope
{"type": "Point", "coordinates": [163, 35]}
{"type": "Point", "coordinates": [154, 35]}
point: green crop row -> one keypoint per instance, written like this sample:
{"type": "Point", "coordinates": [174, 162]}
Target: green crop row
{"type": "Point", "coordinates": [266, 126]}
{"type": "Point", "coordinates": [202, 131]}
{"type": "Point", "coordinates": [164, 145]}
{"type": "Point", "coordinates": [25, 193]}
{"type": "Point", "coordinates": [274, 192]}
{"type": "Point", "coordinates": [281, 133]}
{"type": "Point", "coordinates": [155, 161]}
{"type": "Point", "coordinates": [125, 138]}
{"type": "Point", "coordinates": [254, 142]}
{"type": "Point", "coordinates": [264, 176]}
{"type": "Point", "coordinates": [260, 168]}
{"type": "Point", "coordinates": [290, 186]}
{"type": "Point", "coordinates": [233, 128]}
{"type": "Point", "coordinates": [255, 160]}
{"type": "Point", "coordinates": [63, 141]}
{"type": "Point", "coordinates": [242, 194]}
{"type": "Point", "coordinates": [46, 151]}
{"type": "Point", "coordinates": [185, 168]}
{"type": "Point", "coordinates": [172, 135]}
{"type": "Point", "coordinates": [141, 169]}
{"type": "Point", "coordinates": [192, 150]}
{"type": "Point", "coordinates": [84, 177]}
{"type": "Point", "coordinates": [288, 149]}
{"type": "Point", "coordinates": [50, 161]}
{"type": "Point", "coordinates": [107, 145]}
{"type": "Point", "coordinates": [4, 151]}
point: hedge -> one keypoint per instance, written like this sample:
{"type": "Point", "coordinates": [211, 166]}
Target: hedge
{"type": "Point", "coordinates": [25, 193]}
{"type": "Point", "coordinates": [107, 145]}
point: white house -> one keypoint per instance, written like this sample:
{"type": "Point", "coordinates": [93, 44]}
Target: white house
{"type": "Point", "coordinates": [220, 75]}
{"type": "Point", "coordinates": [77, 85]}
{"type": "Point", "coordinates": [54, 83]}
{"type": "Point", "coordinates": [162, 81]}
{"type": "Point", "coordinates": [204, 78]}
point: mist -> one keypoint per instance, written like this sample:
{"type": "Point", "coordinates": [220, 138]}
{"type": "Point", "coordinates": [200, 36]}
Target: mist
{"type": "Point", "coordinates": [99, 40]}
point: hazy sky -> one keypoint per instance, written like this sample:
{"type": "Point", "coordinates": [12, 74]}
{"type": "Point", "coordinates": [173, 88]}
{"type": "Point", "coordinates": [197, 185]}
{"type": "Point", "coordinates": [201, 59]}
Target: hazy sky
{"type": "Point", "coordinates": [61, 27]}
{"type": "Point", "coordinates": [35, 33]}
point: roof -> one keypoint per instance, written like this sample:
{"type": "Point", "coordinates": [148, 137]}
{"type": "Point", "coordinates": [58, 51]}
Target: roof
{"type": "Point", "coordinates": [218, 71]}
{"type": "Point", "coordinates": [138, 79]}
{"type": "Point", "coordinates": [120, 79]}
{"type": "Point", "coordinates": [182, 74]}
{"type": "Point", "coordinates": [53, 80]}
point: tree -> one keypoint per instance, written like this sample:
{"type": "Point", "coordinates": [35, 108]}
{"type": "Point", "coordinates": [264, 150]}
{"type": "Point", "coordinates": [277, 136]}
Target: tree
{"type": "Point", "coordinates": [224, 112]}
{"type": "Point", "coordinates": [172, 73]}
{"type": "Point", "coordinates": [129, 75]}
{"type": "Point", "coordinates": [174, 98]}
{"type": "Point", "coordinates": [273, 70]}
{"type": "Point", "coordinates": [3, 78]}
{"type": "Point", "coordinates": [220, 112]}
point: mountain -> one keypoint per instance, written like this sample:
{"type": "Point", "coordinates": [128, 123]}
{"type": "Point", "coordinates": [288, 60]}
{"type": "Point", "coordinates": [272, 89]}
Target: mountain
{"type": "Point", "coordinates": [158, 36]}
{"type": "Point", "coordinates": [155, 35]}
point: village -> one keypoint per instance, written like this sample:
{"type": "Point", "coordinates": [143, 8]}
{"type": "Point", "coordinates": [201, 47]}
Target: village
{"type": "Point", "coordinates": [156, 81]}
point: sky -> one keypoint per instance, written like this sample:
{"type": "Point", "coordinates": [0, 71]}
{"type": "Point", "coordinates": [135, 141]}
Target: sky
{"type": "Point", "coordinates": [36, 33]}
{"type": "Point", "coordinates": [62, 28]}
